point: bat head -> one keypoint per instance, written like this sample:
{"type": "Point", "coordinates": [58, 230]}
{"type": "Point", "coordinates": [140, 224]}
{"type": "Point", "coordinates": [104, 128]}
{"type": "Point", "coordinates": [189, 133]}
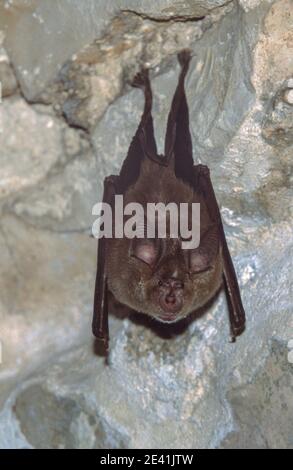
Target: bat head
{"type": "Point", "coordinates": [163, 276]}
{"type": "Point", "coordinates": [157, 276]}
{"type": "Point", "coordinates": [164, 280]}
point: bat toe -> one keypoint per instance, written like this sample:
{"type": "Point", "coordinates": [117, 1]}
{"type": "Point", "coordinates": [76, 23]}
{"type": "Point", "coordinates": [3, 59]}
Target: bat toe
{"type": "Point", "coordinates": [141, 79]}
{"type": "Point", "coordinates": [184, 57]}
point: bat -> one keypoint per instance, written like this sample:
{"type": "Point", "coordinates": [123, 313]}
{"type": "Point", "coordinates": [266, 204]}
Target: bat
{"type": "Point", "coordinates": [156, 276]}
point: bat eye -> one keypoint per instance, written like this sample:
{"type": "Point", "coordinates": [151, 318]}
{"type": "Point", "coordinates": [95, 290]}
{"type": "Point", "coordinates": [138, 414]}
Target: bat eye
{"type": "Point", "coordinates": [146, 250]}
{"type": "Point", "coordinates": [202, 258]}
{"type": "Point", "coordinates": [160, 283]}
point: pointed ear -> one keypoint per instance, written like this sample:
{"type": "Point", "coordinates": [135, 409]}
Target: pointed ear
{"type": "Point", "coordinates": [146, 250]}
{"type": "Point", "coordinates": [202, 258]}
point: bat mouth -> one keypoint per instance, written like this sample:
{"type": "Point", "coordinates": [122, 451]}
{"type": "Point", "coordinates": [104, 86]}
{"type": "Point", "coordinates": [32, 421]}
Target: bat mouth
{"type": "Point", "coordinates": [168, 317]}
{"type": "Point", "coordinates": [171, 306]}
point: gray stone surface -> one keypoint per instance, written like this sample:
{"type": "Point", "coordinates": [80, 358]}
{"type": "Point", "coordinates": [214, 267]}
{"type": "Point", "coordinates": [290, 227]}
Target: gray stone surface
{"type": "Point", "coordinates": [184, 386]}
{"type": "Point", "coordinates": [7, 78]}
{"type": "Point", "coordinates": [31, 145]}
{"type": "Point", "coordinates": [82, 90]}
{"type": "Point", "coordinates": [219, 76]}
{"type": "Point", "coordinates": [73, 24]}
{"type": "Point", "coordinates": [264, 407]}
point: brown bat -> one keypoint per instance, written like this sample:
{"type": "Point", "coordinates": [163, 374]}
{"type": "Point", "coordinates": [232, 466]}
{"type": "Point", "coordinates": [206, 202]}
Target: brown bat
{"type": "Point", "coordinates": [156, 276]}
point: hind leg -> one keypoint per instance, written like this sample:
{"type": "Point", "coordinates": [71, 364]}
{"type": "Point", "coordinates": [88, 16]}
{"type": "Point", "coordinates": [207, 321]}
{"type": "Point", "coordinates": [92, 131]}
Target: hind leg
{"type": "Point", "coordinates": [178, 143]}
{"type": "Point", "coordinates": [143, 144]}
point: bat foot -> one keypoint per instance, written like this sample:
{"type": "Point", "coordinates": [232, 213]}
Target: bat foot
{"type": "Point", "coordinates": [237, 332]}
{"type": "Point", "coordinates": [184, 57]}
{"type": "Point", "coordinates": [101, 339]}
{"type": "Point", "coordinates": [104, 340]}
{"type": "Point", "coordinates": [101, 346]}
{"type": "Point", "coordinates": [141, 79]}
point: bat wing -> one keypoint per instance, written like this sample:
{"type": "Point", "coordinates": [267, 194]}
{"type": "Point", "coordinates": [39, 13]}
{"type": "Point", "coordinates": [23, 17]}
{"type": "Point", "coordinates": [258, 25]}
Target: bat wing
{"type": "Point", "coordinates": [203, 185]}
{"type": "Point", "coordinates": [143, 145]}
{"type": "Point", "coordinates": [100, 314]}
{"type": "Point", "coordinates": [178, 145]}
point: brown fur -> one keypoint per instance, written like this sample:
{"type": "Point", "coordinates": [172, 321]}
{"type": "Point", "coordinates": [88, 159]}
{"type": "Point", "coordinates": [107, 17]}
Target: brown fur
{"type": "Point", "coordinates": [136, 285]}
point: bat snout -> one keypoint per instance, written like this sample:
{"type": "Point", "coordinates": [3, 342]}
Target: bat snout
{"type": "Point", "coordinates": [170, 299]}
{"type": "Point", "coordinates": [170, 303]}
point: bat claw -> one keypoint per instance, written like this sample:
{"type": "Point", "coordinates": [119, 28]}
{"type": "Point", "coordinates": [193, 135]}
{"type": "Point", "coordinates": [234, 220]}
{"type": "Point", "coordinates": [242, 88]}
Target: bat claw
{"type": "Point", "coordinates": [141, 79]}
{"type": "Point", "coordinates": [101, 346]}
{"type": "Point", "coordinates": [237, 331]}
{"type": "Point", "coordinates": [104, 342]}
{"type": "Point", "coordinates": [184, 57]}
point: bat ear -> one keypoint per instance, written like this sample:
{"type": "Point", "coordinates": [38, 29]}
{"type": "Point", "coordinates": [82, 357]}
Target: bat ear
{"type": "Point", "coordinates": [145, 249]}
{"type": "Point", "coordinates": [202, 258]}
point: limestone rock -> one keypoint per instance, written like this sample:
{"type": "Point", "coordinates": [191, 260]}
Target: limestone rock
{"type": "Point", "coordinates": [278, 127]}
{"type": "Point", "coordinates": [82, 90]}
{"type": "Point", "coordinates": [7, 79]}
{"type": "Point", "coordinates": [183, 386]}
{"type": "Point", "coordinates": [259, 404]}
{"type": "Point", "coordinates": [73, 24]}
{"type": "Point", "coordinates": [30, 143]}
{"type": "Point", "coordinates": [64, 202]}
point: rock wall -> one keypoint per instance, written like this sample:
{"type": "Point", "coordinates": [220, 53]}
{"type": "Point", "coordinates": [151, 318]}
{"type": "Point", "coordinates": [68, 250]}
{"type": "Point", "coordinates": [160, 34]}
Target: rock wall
{"type": "Point", "coordinates": [66, 120]}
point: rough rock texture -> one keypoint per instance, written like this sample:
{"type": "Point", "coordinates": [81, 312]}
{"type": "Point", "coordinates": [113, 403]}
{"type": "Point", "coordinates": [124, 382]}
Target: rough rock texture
{"type": "Point", "coordinates": [130, 43]}
{"type": "Point", "coordinates": [7, 78]}
{"type": "Point", "coordinates": [25, 166]}
{"type": "Point", "coordinates": [185, 386]}
{"type": "Point", "coordinates": [74, 24]}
